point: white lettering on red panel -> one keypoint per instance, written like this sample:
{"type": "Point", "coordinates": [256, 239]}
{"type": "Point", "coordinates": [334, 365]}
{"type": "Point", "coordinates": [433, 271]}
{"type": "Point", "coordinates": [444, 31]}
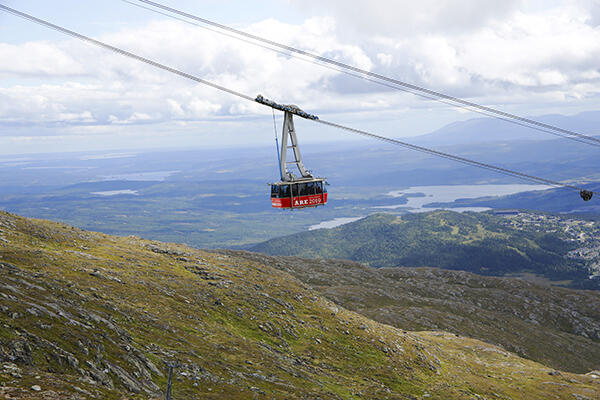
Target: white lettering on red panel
{"type": "Point", "coordinates": [308, 202]}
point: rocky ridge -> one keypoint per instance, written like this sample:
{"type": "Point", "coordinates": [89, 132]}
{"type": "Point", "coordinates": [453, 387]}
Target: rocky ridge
{"type": "Point", "coordinates": [556, 326]}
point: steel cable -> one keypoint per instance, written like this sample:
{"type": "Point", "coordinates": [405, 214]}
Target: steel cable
{"type": "Point", "coordinates": [366, 78]}
{"type": "Point", "coordinates": [400, 85]}
{"type": "Point", "coordinates": [422, 149]}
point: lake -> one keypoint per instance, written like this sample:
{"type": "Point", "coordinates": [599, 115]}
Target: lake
{"type": "Point", "coordinates": [450, 193]}
{"type": "Point", "coordinates": [419, 196]}
{"type": "Point", "coordinates": [116, 192]}
{"type": "Point", "coordinates": [333, 223]}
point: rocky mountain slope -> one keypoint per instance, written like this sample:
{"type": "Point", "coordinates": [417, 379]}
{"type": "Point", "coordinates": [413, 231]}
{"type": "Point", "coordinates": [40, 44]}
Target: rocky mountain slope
{"type": "Point", "coordinates": [555, 326]}
{"type": "Point", "coordinates": [86, 315]}
{"type": "Point", "coordinates": [482, 243]}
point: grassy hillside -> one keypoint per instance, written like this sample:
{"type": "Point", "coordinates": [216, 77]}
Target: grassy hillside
{"type": "Point", "coordinates": [475, 242]}
{"type": "Point", "coordinates": [555, 326]}
{"type": "Point", "coordinates": [85, 315]}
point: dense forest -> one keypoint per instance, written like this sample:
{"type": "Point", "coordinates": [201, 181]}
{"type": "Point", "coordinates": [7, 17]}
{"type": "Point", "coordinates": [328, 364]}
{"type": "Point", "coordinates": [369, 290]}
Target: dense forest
{"type": "Point", "coordinates": [482, 243]}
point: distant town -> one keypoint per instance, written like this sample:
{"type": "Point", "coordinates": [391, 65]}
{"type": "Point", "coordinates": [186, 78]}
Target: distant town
{"type": "Point", "coordinates": [584, 232]}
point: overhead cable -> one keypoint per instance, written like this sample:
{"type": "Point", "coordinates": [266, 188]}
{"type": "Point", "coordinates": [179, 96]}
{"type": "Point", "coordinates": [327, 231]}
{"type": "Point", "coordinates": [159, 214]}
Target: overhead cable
{"type": "Point", "coordinates": [460, 159]}
{"type": "Point", "coordinates": [122, 52]}
{"type": "Point", "coordinates": [382, 79]}
{"type": "Point", "coordinates": [359, 76]}
{"type": "Point", "coordinates": [453, 157]}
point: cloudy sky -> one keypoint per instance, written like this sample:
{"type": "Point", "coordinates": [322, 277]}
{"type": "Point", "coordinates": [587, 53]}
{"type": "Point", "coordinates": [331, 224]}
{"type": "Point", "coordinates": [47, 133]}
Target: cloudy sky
{"type": "Point", "coordinates": [58, 94]}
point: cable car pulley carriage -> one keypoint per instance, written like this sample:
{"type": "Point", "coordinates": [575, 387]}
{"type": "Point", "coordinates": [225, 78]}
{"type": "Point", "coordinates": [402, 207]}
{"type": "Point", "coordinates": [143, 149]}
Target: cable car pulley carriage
{"type": "Point", "coordinates": [294, 191]}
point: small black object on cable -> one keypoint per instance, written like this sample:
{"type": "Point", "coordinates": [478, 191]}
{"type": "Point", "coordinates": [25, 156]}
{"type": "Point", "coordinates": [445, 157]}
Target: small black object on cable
{"type": "Point", "coordinates": [586, 195]}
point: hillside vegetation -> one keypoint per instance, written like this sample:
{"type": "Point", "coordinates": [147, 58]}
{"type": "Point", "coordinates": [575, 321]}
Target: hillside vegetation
{"type": "Point", "coordinates": [86, 315]}
{"type": "Point", "coordinates": [476, 242]}
{"type": "Point", "coordinates": [555, 326]}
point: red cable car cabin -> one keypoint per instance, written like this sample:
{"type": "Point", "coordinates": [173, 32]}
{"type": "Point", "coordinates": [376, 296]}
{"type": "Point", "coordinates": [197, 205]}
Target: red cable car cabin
{"type": "Point", "coordinates": [299, 194]}
{"type": "Point", "coordinates": [293, 191]}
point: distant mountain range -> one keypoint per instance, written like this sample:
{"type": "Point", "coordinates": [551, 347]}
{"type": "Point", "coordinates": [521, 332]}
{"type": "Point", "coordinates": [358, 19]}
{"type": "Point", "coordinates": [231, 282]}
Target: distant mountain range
{"type": "Point", "coordinates": [482, 130]}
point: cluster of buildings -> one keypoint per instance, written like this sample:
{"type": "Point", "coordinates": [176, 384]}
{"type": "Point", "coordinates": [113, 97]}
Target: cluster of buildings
{"type": "Point", "coordinates": [585, 233]}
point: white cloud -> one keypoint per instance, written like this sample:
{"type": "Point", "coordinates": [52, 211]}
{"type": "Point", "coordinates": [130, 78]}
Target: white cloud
{"type": "Point", "coordinates": [116, 90]}
{"type": "Point", "coordinates": [493, 52]}
{"type": "Point", "coordinates": [202, 108]}
{"type": "Point", "coordinates": [409, 17]}
{"type": "Point", "coordinates": [501, 48]}
{"type": "Point", "coordinates": [83, 117]}
{"type": "Point", "coordinates": [593, 9]}
{"type": "Point", "coordinates": [38, 59]}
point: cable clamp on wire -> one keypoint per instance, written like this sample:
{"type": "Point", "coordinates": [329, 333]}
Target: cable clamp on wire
{"type": "Point", "coordinates": [285, 107]}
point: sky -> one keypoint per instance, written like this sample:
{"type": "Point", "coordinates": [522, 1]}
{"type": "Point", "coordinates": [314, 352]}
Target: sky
{"type": "Point", "coordinates": [58, 94]}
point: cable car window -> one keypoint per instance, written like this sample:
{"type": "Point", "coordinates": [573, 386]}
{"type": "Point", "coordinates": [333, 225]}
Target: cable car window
{"type": "Point", "coordinates": [295, 190]}
{"type": "Point", "coordinates": [319, 187]}
{"type": "Point", "coordinates": [310, 188]}
{"type": "Point", "coordinates": [274, 190]}
{"type": "Point", "coordinates": [284, 191]}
